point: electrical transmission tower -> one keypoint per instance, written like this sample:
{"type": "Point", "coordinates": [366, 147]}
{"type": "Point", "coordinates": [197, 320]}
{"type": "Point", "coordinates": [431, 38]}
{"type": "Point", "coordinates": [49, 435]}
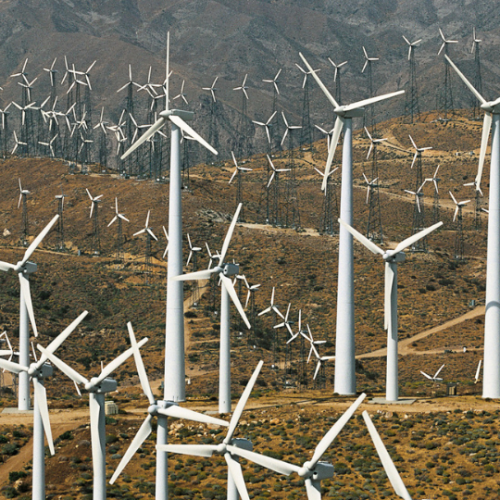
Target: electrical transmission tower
{"type": "Point", "coordinates": [238, 173]}
{"type": "Point", "coordinates": [292, 212]}
{"type": "Point", "coordinates": [242, 139]}
{"type": "Point", "coordinates": [412, 110]}
{"type": "Point", "coordinates": [457, 216]}
{"type": "Point", "coordinates": [435, 206]}
{"type": "Point", "coordinates": [478, 82]}
{"type": "Point", "coordinates": [60, 226]}
{"type": "Point", "coordinates": [374, 230]}
{"type": "Point", "coordinates": [446, 101]}
{"type": "Point", "coordinates": [329, 208]}
{"type": "Point", "coordinates": [369, 115]}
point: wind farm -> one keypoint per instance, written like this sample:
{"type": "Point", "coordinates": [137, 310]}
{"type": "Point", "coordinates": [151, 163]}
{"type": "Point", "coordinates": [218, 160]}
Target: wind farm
{"type": "Point", "coordinates": [326, 346]}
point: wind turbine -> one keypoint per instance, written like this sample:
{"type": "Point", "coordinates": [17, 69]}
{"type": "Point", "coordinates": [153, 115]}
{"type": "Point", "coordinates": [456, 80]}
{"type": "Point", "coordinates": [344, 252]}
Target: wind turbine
{"type": "Point", "coordinates": [212, 89]}
{"type": "Point", "coordinates": [412, 99]}
{"type": "Point", "coordinates": [228, 447]}
{"type": "Point", "coordinates": [312, 471]}
{"type": "Point", "coordinates": [23, 269]}
{"type": "Point", "coordinates": [193, 251]}
{"type": "Point", "coordinates": [336, 79]}
{"type": "Point", "coordinates": [448, 94]}
{"type": "Point", "coordinates": [237, 173]}
{"type": "Point", "coordinates": [268, 125]}
{"type": "Point", "coordinates": [275, 176]}
{"type": "Point", "coordinates": [174, 383]}
{"type": "Point", "coordinates": [155, 409]}
{"type": "Point", "coordinates": [345, 377]}
{"type": "Point", "coordinates": [391, 259]}
{"type": "Point", "coordinates": [97, 387]}
{"type": "Point", "coordinates": [225, 271]}
{"type": "Point", "coordinates": [435, 180]}
{"type": "Point", "coordinates": [389, 467]}
{"type": "Point", "coordinates": [181, 94]}
{"type": "Point", "coordinates": [243, 87]}
{"type": "Point", "coordinates": [276, 90]}
{"type": "Point", "coordinates": [94, 210]}
{"type": "Point", "coordinates": [38, 371]}
{"type": "Point", "coordinates": [459, 240]}
{"type": "Point", "coordinates": [149, 234]}
{"type": "Point", "coordinates": [435, 377]}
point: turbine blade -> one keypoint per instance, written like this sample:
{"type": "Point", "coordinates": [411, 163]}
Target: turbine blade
{"type": "Point", "coordinates": [198, 275]}
{"type": "Point", "coordinates": [67, 370]}
{"type": "Point", "coordinates": [390, 468]}
{"type": "Point", "coordinates": [319, 82]}
{"type": "Point", "coordinates": [12, 367]}
{"type": "Point", "coordinates": [484, 144]}
{"type": "Point", "coordinates": [111, 367]}
{"type": "Point", "coordinates": [237, 475]}
{"type": "Point", "coordinates": [439, 371]}
{"type": "Point", "coordinates": [195, 450]}
{"type": "Point", "coordinates": [318, 366]}
{"type": "Point", "coordinates": [334, 431]}
{"type": "Point", "coordinates": [412, 239]}
{"type": "Point", "coordinates": [229, 234]}
{"type": "Point", "coordinates": [363, 239]}
{"type": "Point", "coordinates": [39, 239]}
{"type": "Point", "coordinates": [313, 489]}
{"type": "Point", "coordinates": [337, 130]}
{"type": "Point", "coordinates": [274, 464]}
{"type": "Point", "coordinates": [141, 370]}
{"type": "Point", "coordinates": [149, 133]}
{"type": "Point", "coordinates": [228, 285]}
{"type": "Point", "coordinates": [188, 130]}
{"type": "Point", "coordinates": [372, 100]}
{"type": "Point", "coordinates": [43, 409]}
{"type": "Point", "coordinates": [242, 402]}
{"type": "Point", "coordinates": [141, 436]}
{"type": "Point", "coordinates": [469, 85]}
{"type": "Point", "coordinates": [180, 412]}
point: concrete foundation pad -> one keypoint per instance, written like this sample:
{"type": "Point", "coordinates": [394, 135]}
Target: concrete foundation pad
{"type": "Point", "coordinates": [383, 401]}
{"type": "Point", "coordinates": [17, 411]}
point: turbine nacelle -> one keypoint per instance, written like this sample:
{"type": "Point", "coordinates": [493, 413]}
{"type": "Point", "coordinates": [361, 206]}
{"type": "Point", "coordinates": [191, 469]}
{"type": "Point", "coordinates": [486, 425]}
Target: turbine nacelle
{"type": "Point", "coordinates": [322, 470]}
{"type": "Point", "coordinates": [26, 268]}
{"type": "Point", "coordinates": [347, 112]}
{"type": "Point", "coordinates": [181, 113]}
{"type": "Point", "coordinates": [107, 385]}
{"type": "Point", "coordinates": [390, 256]}
{"type": "Point", "coordinates": [43, 371]}
{"type": "Point", "coordinates": [230, 269]}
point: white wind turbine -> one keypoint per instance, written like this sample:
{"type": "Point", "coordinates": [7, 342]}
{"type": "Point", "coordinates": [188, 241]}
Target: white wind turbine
{"type": "Point", "coordinates": [272, 307]}
{"type": "Point", "coordinates": [23, 269]}
{"type": "Point", "coordinates": [267, 125]}
{"type": "Point", "coordinates": [276, 171]}
{"type": "Point", "coordinates": [50, 145]}
{"type": "Point", "coordinates": [478, 371]}
{"type": "Point", "coordinates": [319, 360]}
{"type": "Point", "coordinates": [313, 471]}
{"type": "Point", "coordinates": [369, 186]}
{"type": "Point", "coordinates": [193, 251]}
{"type": "Point", "coordinates": [411, 45]}
{"type": "Point", "coordinates": [237, 171]}
{"type": "Point", "coordinates": [434, 179]}
{"type": "Point", "coordinates": [38, 371]}
{"type": "Point", "coordinates": [418, 151]}
{"type": "Point", "coordinates": [97, 387]}
{"type": "Point", "coordinates": [389, 467]}
{"type": "Point", "coordinates": [345, 378]}
{"type": "Point", "coordinates": [17, 143]}
{"type": "Point", "coordinates": [174, 383]}
{"type": "Point", "coordinates": [309, 71]}
{"type": "Point", "coordinates": [243, 87]}
{"type": "Point", "coordinates": [458, 206]}
{"type": "Point", "coordinates": [288, 129]}
{"type": "Point", "coordinates": [435, 377]}
{"type": "Point", "coordinates": [212, 256]}
{"type": "Point", "coordinates": [417, 194]}
{"type": "Point", "coordinates": [337, 67]}
{"type": "Point", "coordinates": [373, 143]}
{"type": "Point", "coordinates": [181, 94]}
{"type": "Point", "coordinates": [155, 409]}
{"type": "Point", "coordinates": [391, 259]}
{"type": "Point", "coordinates": [212, 89]}
{"type": "Point", "coordinates": [225, 272]}
{"type": "Point", "coordinates": [228, 447]}
{"type": "Point", "coordinates": [368, 60]}
{"type": "Point", "coordinates": [445, 43]}
{"type": "Point", "coordinates": [274, 81]}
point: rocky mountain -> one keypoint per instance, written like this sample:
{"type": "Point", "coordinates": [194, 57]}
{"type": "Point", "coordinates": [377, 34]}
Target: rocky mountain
{"type": "Point", "coordinates": [230, 38]}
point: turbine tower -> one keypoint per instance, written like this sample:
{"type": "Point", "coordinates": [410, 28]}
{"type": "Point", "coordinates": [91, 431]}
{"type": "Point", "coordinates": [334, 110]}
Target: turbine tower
{"type": "Point", "coordinates": [345, 377]}
{"type": "Point", "coordinates": [435, 206]}
{"type": "Point", "coordinates": [94, 211]}
{"type": "Point", "coordinates": [242, 139]}
{"type": "Point", "coordinates": [53, 87]}
{"type": "Point", "coordinates": [412, 105]}
{"type": "Point", "coordinates": [276, 90]}
{"type": "Point", "coordinates": [60, 213]}
{"type": "Point", "coordinates": [370, 119]}
{"type": "Point", "coordinates": [149, 234]}
{"type": "Point", "coordinates": [23, 198]}
{"type": "Point", "coordinates": [478, 81]}
{"type": "Point", "coordinates": [237, 173]}
{"type": "Point", "coordinates": [391, 259]}
{"type": "Point", "coordinates": [174, 383]}
{"type": "Point", "coordinates": [457, 216]}
{"type": "Point", "coordinates": [446, 103]}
